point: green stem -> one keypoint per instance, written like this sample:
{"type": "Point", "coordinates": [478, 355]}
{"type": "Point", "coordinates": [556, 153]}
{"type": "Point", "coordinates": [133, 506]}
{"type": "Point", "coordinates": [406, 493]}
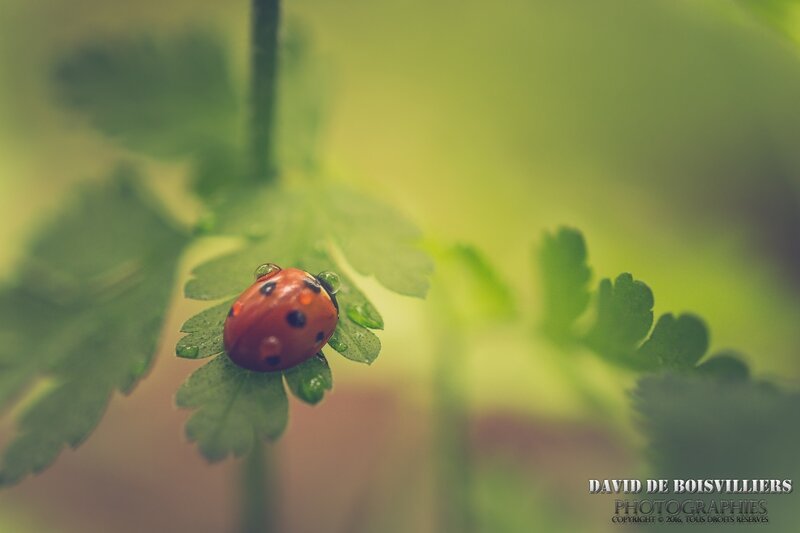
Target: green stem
{"type": "Point", "coordinates": [264, 44]}
{"type": "Point", "coordinates": [258, 481]}
{"type": "Point", "coordinates": [451, 439]}
{"type": "Point", "coordinates": [257, 512]}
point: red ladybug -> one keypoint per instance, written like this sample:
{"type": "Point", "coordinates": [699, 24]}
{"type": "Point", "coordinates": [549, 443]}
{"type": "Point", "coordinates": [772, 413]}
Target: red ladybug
{"type": "Point", "coordinates": [282, 319]}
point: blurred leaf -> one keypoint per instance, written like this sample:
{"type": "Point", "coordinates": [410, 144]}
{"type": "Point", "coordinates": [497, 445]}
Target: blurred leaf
{"type": "Point", "coordinates": [509, 498]}
{"type": "Point", "coordinates": [471, 288]}
{"type": "Point", "coordinates": [309, 380]}
{"type": "Point", "coordinates": [565, 280]}
{"type": "Point", "coordinates": [165, 98]}
{"type": "Point", "coordinates": [234, 407]}
{"type": "Point", "coordinates": [217, 167]}
{"type": "Point", "coordinates": [84, 316]}
{"type": "Point", "coordinates": [710, 429]}
{"type": "Point", "coordinates": [706, 427]}
{"type": "Point", "coordinates": [725, 366]}
{"type": "Point", "coordinates": [376, 240]}
{"type": "Point", "coordinates": [781, 15]}
{"type": "Point", "coordinates": [676, 343]}
{"type": "Point", "coordinates": [303, 95]}
{"type": "Point", "coordinates": [624, 316]}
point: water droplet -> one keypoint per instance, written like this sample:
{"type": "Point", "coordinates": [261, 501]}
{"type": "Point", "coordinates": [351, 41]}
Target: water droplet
{"type": "Point", "coordinates": [187, 351]}
{"type": "Point", "coordinates": [337, 343]}
{"type": "Point", "coordinates": [330, 280]}
{"type": "Point", "coordinates": [267, 269]}
{"type": "Point", "coordinates": [312, 390]}
{"type": "Point", "coordinates": [364, 314]}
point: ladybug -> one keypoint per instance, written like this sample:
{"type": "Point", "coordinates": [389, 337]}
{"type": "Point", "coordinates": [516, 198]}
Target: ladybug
{"type": "Point", "coordinates": [282, 319]}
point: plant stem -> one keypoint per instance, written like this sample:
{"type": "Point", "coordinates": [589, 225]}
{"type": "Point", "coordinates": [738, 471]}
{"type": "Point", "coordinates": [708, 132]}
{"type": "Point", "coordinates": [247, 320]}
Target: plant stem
{"type": "Point", "coordinates": [258, 481]}
{"type": "Point", "coordinates": [257, 511]}
{"type": "Point", "coordinates": [264, 45]}
{"type": "Point", "coordinates": [451, 439]}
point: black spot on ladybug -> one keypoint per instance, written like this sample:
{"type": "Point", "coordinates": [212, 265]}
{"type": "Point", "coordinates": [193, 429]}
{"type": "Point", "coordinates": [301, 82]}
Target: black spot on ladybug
{"type": "Point", "coordinates": [274, 360]}
{"type": "Point", "coordinates": [320, 336]}
{"type": "Point", "coordinates": [296, 319]}
{"type": "Point", "coordinates": [230, 312]}
{"type": "Point", "coordinates": [313, 285]}
{"type": "Point", "coordinates": [267, 288]}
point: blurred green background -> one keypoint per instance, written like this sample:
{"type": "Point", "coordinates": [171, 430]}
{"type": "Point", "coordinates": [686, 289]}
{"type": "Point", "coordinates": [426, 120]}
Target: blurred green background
{"type": "Point", "coordinates": [667, 131]}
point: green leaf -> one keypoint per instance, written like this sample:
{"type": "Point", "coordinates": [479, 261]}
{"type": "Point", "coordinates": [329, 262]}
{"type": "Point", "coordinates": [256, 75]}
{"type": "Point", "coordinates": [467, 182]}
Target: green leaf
{"type": "Point", "coordinates": [301, 228]}
{"type": "Point", "coordinates": [565, 280]}
{"type": "Point", "coordinates": [781, 15]}
{"type": "Point", "coordinates": [205, 333]}
{"type": "Point", "coordinates": [676, 343]}
{"type": "Point", "coordinates": [163, 97]}
{"type": "Point", "coordinates": [310, 379]}
{"type": "Point", "coordinates": [49, 425]}
{"type": "Point", "coordinates": [355, 342]}
{"type": "Point", "coordinates": [624, 316]}
{"type": "Point", "coordinates": [377, 241]}
{"type": "Point", "coordinates": [217, 167]}
{"type": "Point", "coordinates": [726, 366]}
{"type": "Point", "coordinates": [83, 317]}
{"type": "Point", "coordinates": [234, 407]}
{"type": "Point", "coordinates": [296, 229]}
{"type": "Point", "coordinates": [716, 429]}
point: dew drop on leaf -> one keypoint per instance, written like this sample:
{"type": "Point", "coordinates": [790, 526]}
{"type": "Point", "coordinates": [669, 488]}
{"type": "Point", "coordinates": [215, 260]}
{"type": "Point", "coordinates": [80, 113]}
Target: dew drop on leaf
{"type": "Point", "coordinates": [313, 389]}
{"type": "Point", "coordinates": [365, 315]}
{"type": "Point", "coordinates": [187, 351]}
{"type": "Point", "coordinates": [330, 280]}
{"type": "Point", "coordinates": [314, 385]}
{"type": "Point", "coordinates": [337, 343]}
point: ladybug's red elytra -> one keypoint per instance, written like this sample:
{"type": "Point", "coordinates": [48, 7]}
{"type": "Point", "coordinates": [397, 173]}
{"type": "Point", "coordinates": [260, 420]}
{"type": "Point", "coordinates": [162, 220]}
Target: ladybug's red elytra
{"type": "Point", "coordinates": [282, 319]}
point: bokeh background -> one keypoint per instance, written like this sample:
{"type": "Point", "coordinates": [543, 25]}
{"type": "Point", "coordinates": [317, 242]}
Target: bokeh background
{"type": "Point", "coordinates": [667, 131]}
